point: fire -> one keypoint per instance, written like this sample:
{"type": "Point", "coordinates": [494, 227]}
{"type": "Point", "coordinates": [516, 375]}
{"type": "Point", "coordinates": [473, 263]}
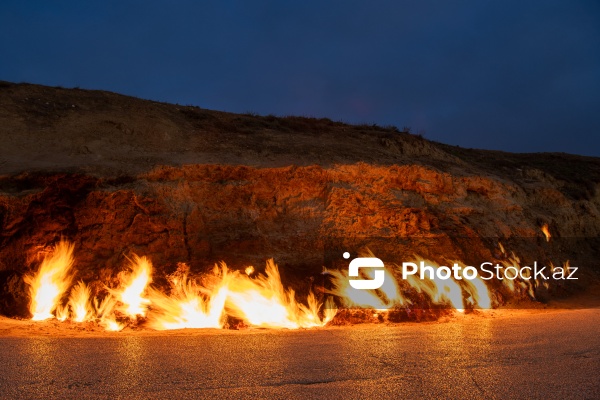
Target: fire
{"type": "Point", "coordinates": [51, 282]}
{"type": "Point", "coordinates": [480, 295]}
{"type": "Point", "coordinates": [351, 298]}
{"type": "Point", "coordinates": [391, 290]}
{"type": "Point", "coordinates": [105, 313]}
{"type": "Point", "coordinates": [79, 302]}
{"type": "Point", "coordinates": [249, 296]}
{"type": "Point", "coordinates": [546, 232]}
{"type": "Point", "coordinates": [517, 285]}
{"type": "Point", "coordinates": [391, 293]}
{"type": "Point", "coordinates": [440, 291]}
{"type": "Point", "coordinates": [264, 302]}
{"type": "Point", "coordinates": [189, 304]}
{"type": "Point", "coordinates": [260, 301]}
{"type": "Point", "coordinates": [131, 293]}
{"type": "Point", "coordinates": [62, 313]}
{"type": "Point", "coordinates": [384, 298]}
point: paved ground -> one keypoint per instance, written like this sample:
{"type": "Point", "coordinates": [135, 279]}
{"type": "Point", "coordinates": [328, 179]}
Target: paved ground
{"type": "Point", "coordinates": [529, 355]}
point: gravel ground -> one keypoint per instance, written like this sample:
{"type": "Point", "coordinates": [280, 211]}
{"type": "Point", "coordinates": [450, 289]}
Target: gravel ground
{"type": "Point", "coordinates": [529, 355]}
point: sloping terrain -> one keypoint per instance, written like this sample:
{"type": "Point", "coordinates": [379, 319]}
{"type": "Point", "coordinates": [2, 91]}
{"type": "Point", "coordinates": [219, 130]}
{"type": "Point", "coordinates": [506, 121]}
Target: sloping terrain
{"type": "Point", "coordinates": [119, 175]}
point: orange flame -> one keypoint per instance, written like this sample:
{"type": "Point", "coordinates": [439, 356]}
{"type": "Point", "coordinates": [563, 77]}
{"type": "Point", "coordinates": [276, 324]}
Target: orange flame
{"type": "Point", "coordinates": [189, 304]}
{"type": "Point", "coordinates": [51, 281]}
{"type": "Point", "coordinates": [264, 302]}
{"type": "Point", "coordinates": [350, 297]}
{"type": "Point", "coordinates": [105, 315]}
{"type": "Point", "coordinates": [389, 295]}
{"type": "Point", "coordinates": [133, 286]}
{"type": "Point", "coordinates": [440, 291]}
{"type": "Point", "coordinates": [79, 302]}
{"type": "Point", "coordinates": [256, 299]}
{"type": "Point", "coordinates": [546, 232]}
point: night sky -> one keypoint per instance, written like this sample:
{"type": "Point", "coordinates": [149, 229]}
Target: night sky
{"type": "Point", "coordinates": [519, 76]}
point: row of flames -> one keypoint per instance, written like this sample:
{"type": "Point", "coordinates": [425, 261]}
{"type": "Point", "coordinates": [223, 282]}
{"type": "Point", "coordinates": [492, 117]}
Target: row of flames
{"type": "Point", "coordinates": [256, 299]}
{"type": "Point", "coordinates": [261, 301]}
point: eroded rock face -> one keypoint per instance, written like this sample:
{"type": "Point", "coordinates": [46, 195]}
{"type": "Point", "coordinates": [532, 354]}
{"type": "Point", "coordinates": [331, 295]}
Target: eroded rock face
{"type": "Point", "coordinates": [14, 294]}
{"type": "Point", "coordinates": [203, 214]}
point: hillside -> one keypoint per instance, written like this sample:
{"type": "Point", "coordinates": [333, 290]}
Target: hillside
{"type": "Point", "coordinates": [119, 175]}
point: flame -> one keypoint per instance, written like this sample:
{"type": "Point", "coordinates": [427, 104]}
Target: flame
{"type": "Point", "coordinates": [382, 299]}
{"type": "Point", "coordinates": [61, 313]}
{"type": "Point", "coordinates": [480, 293]}
{"type": "Point", "coordinates": [264, 302]}
{"type": "Point", "coordinates": [133, 286]}
{"type": "Point", "coordinates": [261, 301]}
{"type": "Point", "coordinates": [477, 289]}
{"type": "Point", "coordinates": [440, 291]}
{"type": "Point", "coordinates": [110, 324]}
{"type": "Point", "coordinates": [350, 297]}
{"type": "Point", "coordinates": [51, 281]}
{"type": "Point", "coordinates": [391, 289]}
{"type": "Point", "coordinates": [518, 285]}
{"type": "Point", "coordinates": [255, 299]}
{"type": "Point", "coordinates": [79, 301]}
{"type": "Point", "coordinates": [189, 304]}
{"type": "Point", "coordinates": [546, 232]}
{"type": "Point", "coordinates": [389, 295]}
{"type": "Point", "coordinates": [104, 313]}
{"type": "Point", "coordinates": [567, 266]}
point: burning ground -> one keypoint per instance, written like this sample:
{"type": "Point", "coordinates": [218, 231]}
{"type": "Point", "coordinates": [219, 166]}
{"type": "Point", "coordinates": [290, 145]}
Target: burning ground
{"type": "Point", "coordinates": [156, 195]}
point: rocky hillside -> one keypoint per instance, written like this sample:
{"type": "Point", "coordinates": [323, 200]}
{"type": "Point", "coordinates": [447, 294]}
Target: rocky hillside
{"type": "Point", "coordinates": [119, 175]}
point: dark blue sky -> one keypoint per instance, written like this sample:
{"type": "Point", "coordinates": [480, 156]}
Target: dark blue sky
{"type": "Point", "coordinates": [512, 75]}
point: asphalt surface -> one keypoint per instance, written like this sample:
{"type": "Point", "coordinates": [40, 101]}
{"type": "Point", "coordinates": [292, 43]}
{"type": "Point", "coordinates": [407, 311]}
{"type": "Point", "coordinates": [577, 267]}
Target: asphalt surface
{"type": "Point", "coordinates": [555, 355]}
